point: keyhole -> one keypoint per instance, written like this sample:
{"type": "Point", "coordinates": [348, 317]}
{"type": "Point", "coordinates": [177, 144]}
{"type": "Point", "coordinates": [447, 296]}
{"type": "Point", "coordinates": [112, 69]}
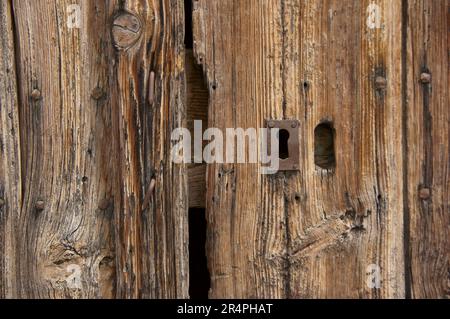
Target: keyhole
{"type": "Point", "coordinates": [283, 137]}
{"type": "Point", "coordinates": [324, 156]}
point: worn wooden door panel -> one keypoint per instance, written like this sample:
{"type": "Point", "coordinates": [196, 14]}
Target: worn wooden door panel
{"type": "Point", "coordinates": [148, 103]}
{"type": "Point", "coordinates": [428, 135]}
{"type": "Point", "coordinates": [239, 43]}
{"type": "Point", "coordinates": [313, 233]}
{"type": "Point", "coordinates": [91, 205]}
{"type": "Point", "coordinates": [64, 227]}
{"type": "Point", "coordinates": [91, 141]}
{"type": "Point", "coordinates": [342, 67]}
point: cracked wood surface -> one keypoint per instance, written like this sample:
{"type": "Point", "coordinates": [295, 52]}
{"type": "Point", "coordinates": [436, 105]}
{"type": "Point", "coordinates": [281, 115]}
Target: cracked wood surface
{"type": "Point", "coordinates": [92, 207]}
{"type": "Point", "coordinates": [428, 147]}
{"type": "Point", "coordinates": [90, 143]}
{"type": "Point", "coordinates": [313, 233]}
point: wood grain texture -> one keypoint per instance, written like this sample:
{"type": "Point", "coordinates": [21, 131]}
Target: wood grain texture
{"type": "Point", "coordinates": [239, 45]}
{"type": "Point", "coordinates": [91, 205]}
{"type": "Point", "coordinates": [351, 217]}
{"type": "Point", "coordinates": [314, 233]}
{"type": "Point", "coordinates": [10, 173]}
{"type": "Point", "coordinates": [428, 132]}
{"type": "Point", "coordinates": [90, 143]}
{"type": "Point", "coordinates": [66, 246]}
{"type": "Point", "coordinates": [152, 244]}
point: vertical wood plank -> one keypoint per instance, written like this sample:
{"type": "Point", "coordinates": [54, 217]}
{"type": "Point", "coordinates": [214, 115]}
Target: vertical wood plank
{"type": "Point", "coordinates": [428, 133]}
{"type": "Point", "coordinates": [93, 137]}
{"type": "Point", "coordinates": [10, 170]}
{"type": "Point", "coordinates": [84, 228]}
{"type": "Point", "coordinates": [151, 224]}
{"type": "Point", "coordinates": [239, 43]}
{"type": "Point", "coordinates": [313, 233]}
{"type": "Point", "coordinates": [65, 223]}
{"type": "Point", "coordinates": [346, 221]}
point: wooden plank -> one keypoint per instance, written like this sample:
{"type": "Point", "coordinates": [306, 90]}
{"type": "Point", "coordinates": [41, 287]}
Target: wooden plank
{"type": "Point", "coordinates": [92, 140]}
{"type": "Point", "coordinates": [346, 222]}
{"type": "Point", "coordinates": [151, 243]}
{"type": "Point", "coordinates": [313, 233]}
{"type": "Point", "coordinates": [239, 43]}
{"type": "Point", "coordinates": [428, 133]}
{"type": "Point", "coordinates": [197, 186]}
{"type": "Point", "coordinates": [10, 173]}
{"type": "Point", "coordinates": [65, 225]}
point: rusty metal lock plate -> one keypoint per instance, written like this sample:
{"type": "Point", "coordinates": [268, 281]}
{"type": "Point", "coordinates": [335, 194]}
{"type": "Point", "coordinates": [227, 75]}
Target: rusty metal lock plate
{"type": "Point", "coordinates": [289, 149]}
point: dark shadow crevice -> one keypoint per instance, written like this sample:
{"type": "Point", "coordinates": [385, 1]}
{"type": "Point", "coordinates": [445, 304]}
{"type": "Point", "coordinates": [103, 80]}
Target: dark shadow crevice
{"type": "Point", "coordinates": [197, 102]}
{"type": "Point", "coordinates": [199, 278]}
{"type": "Point", "coordinates": [324, 149]}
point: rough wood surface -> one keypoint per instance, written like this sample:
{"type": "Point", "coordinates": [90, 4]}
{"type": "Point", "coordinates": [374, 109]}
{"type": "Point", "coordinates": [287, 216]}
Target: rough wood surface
{"type": "Point", "coordinates": [428, 148]}
{"type": "Point", "coordinates": [91, 205]}
{"type": "Point", "coordinates": [64, 240]}
{"type": "Point", "coordinates": [10, 174]}
{"type": "Point", "coordinates": [152, 244]}
{"type": "Point", "coordinates": [312, 233]}
{"type": "Point", "coordinates": [90, 144]}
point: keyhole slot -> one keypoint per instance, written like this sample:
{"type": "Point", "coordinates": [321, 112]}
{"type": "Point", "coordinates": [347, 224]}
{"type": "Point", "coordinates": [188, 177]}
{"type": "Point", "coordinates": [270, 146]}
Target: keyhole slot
{"type": "Point", "coordinates": [283, 138]}
{"type": "Point", "coordinates": [324, 152]}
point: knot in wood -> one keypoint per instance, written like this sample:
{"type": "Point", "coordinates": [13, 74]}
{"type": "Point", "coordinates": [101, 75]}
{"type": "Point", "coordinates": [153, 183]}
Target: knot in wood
{"type": "Point", "coordinates": [97, 93]}
{"type": "Point", "coordinates": [126, 30]}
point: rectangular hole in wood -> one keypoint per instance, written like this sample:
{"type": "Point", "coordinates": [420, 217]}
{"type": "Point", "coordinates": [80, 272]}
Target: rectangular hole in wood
{"type": "Point", "coordinates": [324, 151]}
{"type": "Point", "coordinates": [199, 279]}
{"type": "Point", "coordinates": [188, 34]}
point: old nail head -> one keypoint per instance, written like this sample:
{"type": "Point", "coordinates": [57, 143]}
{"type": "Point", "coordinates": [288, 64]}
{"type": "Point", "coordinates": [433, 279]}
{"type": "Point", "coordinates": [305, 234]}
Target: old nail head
{"type": "Point", "coordinates": [36, 94]}
{"type": "Point", "coordinates": [40, 205]}
{"type": "Point", "coordinates": [380, 82]}
{"type": "Point", "coordinates": [126, 30]}
{"type": "Point", "coordinates": [424, 193]}
{"type": "Point", "coordinates": [425, 77]}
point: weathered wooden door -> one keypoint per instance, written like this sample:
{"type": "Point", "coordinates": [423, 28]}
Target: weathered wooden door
{"type": "Point", "coordinates": [371, 196]}
{"type": "Point", "coordinates": [93, 206]}
{"type": "Point", "coordinates": [90, 93]}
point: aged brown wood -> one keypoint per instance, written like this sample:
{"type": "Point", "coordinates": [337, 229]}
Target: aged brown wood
{"type": "Point", "coordinates": [247, 239]}
{"type": "Point", "coordinates": [428, 135]}
{"type": "Point", "coordinates": [352, 217]}
{"type": "Point", "coordinates": [151, 244]}
{"type": "Point", "coordinates": [89, 146]}
{"type": "Point", "coordinates": [64, 241]}
{"type": "Point", "coordinates": [313, 233]}
{"type": "Point", "coordinates": [91, 205]}
{"type": "Point", "coordinates": [10, 173]}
